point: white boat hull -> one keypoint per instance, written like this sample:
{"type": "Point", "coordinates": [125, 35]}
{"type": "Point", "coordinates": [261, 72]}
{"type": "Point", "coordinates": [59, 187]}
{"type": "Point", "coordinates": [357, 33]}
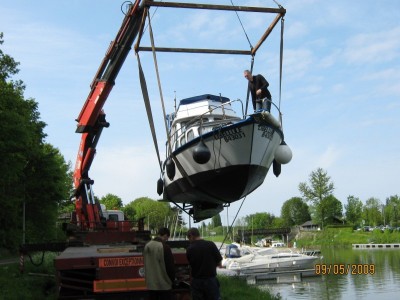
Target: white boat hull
{"type": "Point", "coordinates": [253, 263]}
{"type": "Point", "coordinates": [241, 155]}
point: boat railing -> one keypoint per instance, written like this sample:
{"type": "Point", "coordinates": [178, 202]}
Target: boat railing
{"type": "Point", "coordinates": [212, 108]}
{"type": "Point", "coordinates": [266, 100]}
{"type": "Point", "coordinates": [199, 120]}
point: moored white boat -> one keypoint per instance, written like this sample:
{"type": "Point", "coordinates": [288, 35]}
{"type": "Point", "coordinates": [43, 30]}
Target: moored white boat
{"type": "Point", "coordinates": [267, 260]}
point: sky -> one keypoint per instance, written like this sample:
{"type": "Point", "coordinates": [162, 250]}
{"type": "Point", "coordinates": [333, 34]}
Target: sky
{"type": "Point", "coordinates": [340, 87]}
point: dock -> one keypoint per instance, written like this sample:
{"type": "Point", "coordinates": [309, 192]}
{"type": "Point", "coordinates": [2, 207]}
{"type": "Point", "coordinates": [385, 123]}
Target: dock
{"type": "Point", "coordinates": [287, 276]}
{"type": "Point", "coordinates": [376, 246]}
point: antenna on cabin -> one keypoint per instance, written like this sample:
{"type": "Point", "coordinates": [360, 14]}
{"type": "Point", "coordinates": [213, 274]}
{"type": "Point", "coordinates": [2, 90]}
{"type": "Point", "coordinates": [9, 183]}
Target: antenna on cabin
{"type": "Point", "coordinates": [175, 101]}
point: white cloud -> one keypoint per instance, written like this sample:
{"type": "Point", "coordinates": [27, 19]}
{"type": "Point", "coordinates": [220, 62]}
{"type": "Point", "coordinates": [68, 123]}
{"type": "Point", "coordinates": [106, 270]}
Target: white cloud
{"type": "Point", "coordinates": [373, 48]}
{"type": "Point", "coordinates": [297, 62]}
{"type": "Point", "coordinates": [126, 171]}
{"type": "Point", "coordinates": [329, 157]}
{"type": "Point", "coordinates": [296, 30]}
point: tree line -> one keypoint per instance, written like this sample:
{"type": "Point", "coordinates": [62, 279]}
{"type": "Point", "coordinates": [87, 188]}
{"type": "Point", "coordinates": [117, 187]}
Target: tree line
{"type": "Point", "coordinates": [319, 205]}
{"type": "Point", "coordinates": [34, 176]}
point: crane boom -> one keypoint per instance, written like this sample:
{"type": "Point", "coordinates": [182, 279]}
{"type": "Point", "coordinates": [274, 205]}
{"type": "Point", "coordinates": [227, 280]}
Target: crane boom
{"type": "Point", "coordinates": [92, 118]}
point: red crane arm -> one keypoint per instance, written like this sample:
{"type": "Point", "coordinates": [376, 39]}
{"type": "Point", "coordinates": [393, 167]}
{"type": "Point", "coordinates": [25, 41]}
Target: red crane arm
{"type": "Point", "coordinates": [91, 119]}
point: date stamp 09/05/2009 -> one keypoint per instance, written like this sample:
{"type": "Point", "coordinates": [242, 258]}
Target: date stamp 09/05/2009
{"type": "Point", "coordinates": [345, 269]}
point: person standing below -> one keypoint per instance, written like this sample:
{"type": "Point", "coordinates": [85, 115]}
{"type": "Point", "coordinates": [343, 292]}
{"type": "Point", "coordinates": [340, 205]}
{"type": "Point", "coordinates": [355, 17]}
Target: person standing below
{"type": "Point", "coordinates": [203, 257]}
{"type": "Point", "coordinates": [159, 266]}
{"type": "Point", "coordinates": [258, 87]}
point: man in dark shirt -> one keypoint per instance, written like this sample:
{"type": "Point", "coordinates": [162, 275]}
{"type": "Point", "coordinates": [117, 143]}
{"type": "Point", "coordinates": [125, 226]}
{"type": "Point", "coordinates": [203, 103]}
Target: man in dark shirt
{"type": "Point", "coordinates": [258, 87]}
{"type": "Point", "coordinates": [203, 257]}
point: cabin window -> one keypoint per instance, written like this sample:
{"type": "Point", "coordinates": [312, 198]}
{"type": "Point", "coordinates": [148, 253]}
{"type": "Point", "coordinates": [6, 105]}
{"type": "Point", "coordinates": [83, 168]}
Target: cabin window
{"type": "Point", "coordinates": [190, 135]}
{"type": "Point", "coordinates": [113, 217]}
{"type": "Point", "coordinates": [183, 141]}
{"type": "Point", "coordinates": [183, 126]}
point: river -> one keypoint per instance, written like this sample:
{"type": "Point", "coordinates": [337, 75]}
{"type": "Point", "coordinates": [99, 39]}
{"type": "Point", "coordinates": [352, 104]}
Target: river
{"type": "Point", "coordinates": [371, 274]}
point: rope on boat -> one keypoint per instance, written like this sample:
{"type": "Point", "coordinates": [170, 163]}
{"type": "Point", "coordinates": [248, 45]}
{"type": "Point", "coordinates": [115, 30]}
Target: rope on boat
{"type": "Point", "coordinates": [220, 143]}
{"type": "Point", "coordinates": [234, 219]}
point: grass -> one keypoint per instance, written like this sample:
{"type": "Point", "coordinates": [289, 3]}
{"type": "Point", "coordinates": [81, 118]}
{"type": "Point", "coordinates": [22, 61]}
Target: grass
{"type": "Point", "coordinates": [234, 288]}
{"type": "Point", "coordinates": [35, 283]}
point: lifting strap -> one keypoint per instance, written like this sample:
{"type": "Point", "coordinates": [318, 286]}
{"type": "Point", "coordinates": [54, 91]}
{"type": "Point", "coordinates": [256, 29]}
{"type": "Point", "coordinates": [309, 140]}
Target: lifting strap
{"type": "Point", "coordinates": [248, 87]}
{"type": "Point", "coordinates": [280, 71]}
{"type": "Point", "coordinates": [146, 100]}
{"type": "Point", "coordinates": [159, 83]}
{"type": "Point", "coordinates": [177, 163]}
{"type": "Point", "coordinates": [281, 62]}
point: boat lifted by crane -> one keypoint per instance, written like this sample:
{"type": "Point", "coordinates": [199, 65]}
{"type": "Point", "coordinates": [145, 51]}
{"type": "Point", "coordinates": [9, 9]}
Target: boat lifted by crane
{"type": "Point", "coordinates": [214, 155]}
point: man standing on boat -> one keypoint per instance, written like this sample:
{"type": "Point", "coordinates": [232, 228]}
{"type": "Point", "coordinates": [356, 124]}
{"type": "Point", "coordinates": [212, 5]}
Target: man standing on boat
{"type": "Point", "coordinates": [258, 87]}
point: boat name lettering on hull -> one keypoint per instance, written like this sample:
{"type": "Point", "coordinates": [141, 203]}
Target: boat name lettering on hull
{"type": "Point", "coordinates": [121, 262]}
{"type": "Point", "coordinates": [230, 134]}
{"type": "Point", "coordinates": [268, 132]}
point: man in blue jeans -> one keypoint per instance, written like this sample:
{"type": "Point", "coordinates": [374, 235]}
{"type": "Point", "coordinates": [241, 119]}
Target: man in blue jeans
{"type": "Point", "coordinates": [258, 87]}
{"type": "Point", "coordinates": [203, 257]}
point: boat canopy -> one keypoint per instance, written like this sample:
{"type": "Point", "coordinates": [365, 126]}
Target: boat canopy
{"type": "Point", "coordinates": [204, 97]}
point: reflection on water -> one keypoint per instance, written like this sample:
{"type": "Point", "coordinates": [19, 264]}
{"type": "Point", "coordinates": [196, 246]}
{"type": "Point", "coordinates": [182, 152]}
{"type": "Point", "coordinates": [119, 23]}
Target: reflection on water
{"type": "Point", "coordinates": [383, 284]}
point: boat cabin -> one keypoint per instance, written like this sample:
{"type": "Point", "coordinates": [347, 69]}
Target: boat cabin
{"type": "Point", "coordinates": [198, 115]}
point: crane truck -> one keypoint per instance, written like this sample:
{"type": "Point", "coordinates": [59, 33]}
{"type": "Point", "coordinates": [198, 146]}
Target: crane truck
{"type": "Point", "coordinates": [102, 258]}
{"type": "Point", "coordinates": [109, 262]}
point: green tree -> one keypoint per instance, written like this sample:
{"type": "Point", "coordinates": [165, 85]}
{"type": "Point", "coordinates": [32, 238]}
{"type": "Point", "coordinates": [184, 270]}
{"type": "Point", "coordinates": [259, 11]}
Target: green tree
{"type": "Point", "coordinates": [259, 220]}
{"type": "Point", "coordinates": [48, 185]}
{"type": "Point", "coordinates": [175, 221]}
{"type": "Point", "coordinates": [392, 210]}
{"type": "Point", "coordinates": [111, 201]}
{"type": "Point", "coordinates": [331, 209]}
{"type": "Point", "coordinates": [372, 212]}
{"type": "Point", "coordinates": [129, 211]}
{"type": "Point", "coordinates": [278, 222]}
{"type": "Point", "coordinates": [8, 66]}
{"type": "Point", "coordinates": [34, 177]}
{"type": "Point", "coordinates": [354, 210]}
{"type": "Point", "coordinates": [216, 221]}
{"type": "Point", "coordinates": [155, 213]}
{"type": "Point", "coordinates": [320, 187]}
{"type": "Point", "coordinates": [295, 212]}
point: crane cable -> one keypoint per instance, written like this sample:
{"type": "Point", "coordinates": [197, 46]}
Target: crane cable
{"type": "Point", "coordinates": [233, 222]}
{"type": "Point", "coordinates": [252, 56]}
{"type": "Point", "coordinates": [240, 21]}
